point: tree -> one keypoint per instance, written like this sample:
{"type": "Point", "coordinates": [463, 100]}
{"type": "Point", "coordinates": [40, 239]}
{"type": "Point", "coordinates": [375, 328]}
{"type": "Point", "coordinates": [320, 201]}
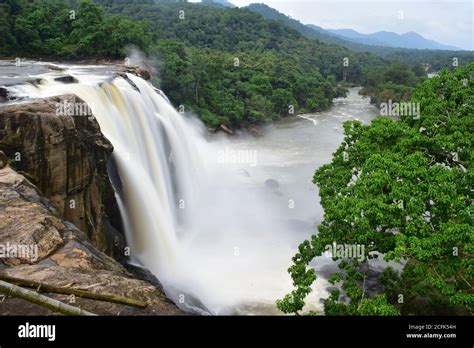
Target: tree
{"type": "Point", "coordinates": [7, 40]}
{"type": "Point", "coordinates": [121, 33]}
{"type": "Point", "coordinates": [87, 33]}
{"type": "Point", "coordinates": [400, 73]}
{"type": "Point", "coordinates": [282, 100]}
{"type": "Point", "coordinates": [27, 35]}
{"type": "Point", "coordinates": [258, 107]}
{"type": "Point", "coordinates": [403, 189]}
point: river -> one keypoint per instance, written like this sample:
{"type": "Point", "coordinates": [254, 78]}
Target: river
{"type": "Point", "coordinates": [281, 166]}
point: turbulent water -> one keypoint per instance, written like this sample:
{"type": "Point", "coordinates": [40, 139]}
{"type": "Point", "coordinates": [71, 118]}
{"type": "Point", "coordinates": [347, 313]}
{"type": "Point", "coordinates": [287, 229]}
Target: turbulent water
{"type": "Point", "coordinates": [215, 218]}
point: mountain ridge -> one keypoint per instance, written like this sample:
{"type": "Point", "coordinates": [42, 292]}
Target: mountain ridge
{"type": "Point", "coordinates": [385, 38]}
{"type": "Point", "coordinates": [373, 45]}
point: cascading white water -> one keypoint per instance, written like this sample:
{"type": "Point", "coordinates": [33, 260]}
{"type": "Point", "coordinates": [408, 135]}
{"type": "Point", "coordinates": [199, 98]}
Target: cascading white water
{"type": "Point", "coordinates": [214, 238]}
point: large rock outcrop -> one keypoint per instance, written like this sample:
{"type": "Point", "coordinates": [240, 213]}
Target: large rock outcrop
{"type": "Point", "coordinates": [65, 156]}
{"type": "Point", "coordinates": [60, 254]}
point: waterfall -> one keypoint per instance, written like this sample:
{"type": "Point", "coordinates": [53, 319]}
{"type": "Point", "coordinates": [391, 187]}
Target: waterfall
{"type": "Point", "coordinates": [214, 238]}
{"type": "Point", "coordinates": [154, 159]}
{"type": "Point", "coordinates": [159, 164]}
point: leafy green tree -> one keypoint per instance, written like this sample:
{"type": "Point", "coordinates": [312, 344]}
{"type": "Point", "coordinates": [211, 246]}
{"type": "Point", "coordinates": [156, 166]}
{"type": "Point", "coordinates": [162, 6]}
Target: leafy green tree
{"type": "Point", "coordinates": [419, 70]}
{"type": "Point", "coordinates": [27, 35]}
{"type": "Point", "coordinates": [87, 34]}
{"type": "Point", "coordinates": [121, 33]}
{"type": "Point", "coordinates": [282, 99]}
{"type": "Point", "coordinates": [7, 39]}
{"type": "Point", "coordinates": [258, 107]}
{"type": "Point", "coordinates": [403, 189]}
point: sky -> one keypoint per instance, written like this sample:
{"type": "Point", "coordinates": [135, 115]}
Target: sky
{"type": "Point", "coordinates": [445, 21]}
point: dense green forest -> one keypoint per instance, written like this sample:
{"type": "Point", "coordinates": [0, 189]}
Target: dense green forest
{"type": "Point", "coordinates": [229, 65]}
{"type": "Point", "coordinates": [61, 29]}
{"type": "Point", "coordinates": [402, 188]}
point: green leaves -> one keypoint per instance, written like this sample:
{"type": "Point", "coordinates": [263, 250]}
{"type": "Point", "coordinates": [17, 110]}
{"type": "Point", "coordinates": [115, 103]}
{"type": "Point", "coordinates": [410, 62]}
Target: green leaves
{"type": "Point", "coordinates": [54, 28]}
{"type": "Point", "coordinates": [405, 194]}
{"type": "Point", "coordinates": [376, 306]}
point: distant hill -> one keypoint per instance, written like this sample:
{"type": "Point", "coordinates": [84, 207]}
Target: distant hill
{"type": "Point", "coordinates": [352, 39]}
{"type": "Point", "coordinates": [312, 32]}
{"type": "Point", "coordinates": [389, 39]}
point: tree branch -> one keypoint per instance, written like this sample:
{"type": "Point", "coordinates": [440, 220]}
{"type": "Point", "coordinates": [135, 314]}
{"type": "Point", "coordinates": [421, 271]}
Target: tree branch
{"type": "Point", "coordinates": [75, 292]}
{"type": "Point", "coordinates": [34, 297]}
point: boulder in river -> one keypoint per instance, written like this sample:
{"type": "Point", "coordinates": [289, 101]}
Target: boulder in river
{"type": "Point", "coordinates": [255, 130]}
{"type": "Point", "coordinates": [4, 95]}
{"type": "Point", "coordinates": [271, 183]}
{"type": "Point", "coordinates": [66, 79]}
{"type": "Point", "coordinates": [55, 67]}
{"type": "Point", "coordinates": [139, 71]}
{"type": "Point", "coordinates": [226, 129]}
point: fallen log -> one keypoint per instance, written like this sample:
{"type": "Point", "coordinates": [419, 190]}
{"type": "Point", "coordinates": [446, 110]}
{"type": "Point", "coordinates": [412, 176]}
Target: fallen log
{"type": "Point", "coordinates": [72, 291]}
{"type": "Point", "coordinates": [44, 301]}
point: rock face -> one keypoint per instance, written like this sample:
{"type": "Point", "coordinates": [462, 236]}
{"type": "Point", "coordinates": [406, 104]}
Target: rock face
{"type": "Point", "coordinates": [3, 160]}
{"type": "Point", "coordinates": [145, 72]}
{"type": "Point", "coordinates": [4, 96]}
{"type": "Point", "coordinates": [65, 156]}
{"type": "Point", "coordinates": [61, 255]}
{"type": "Point", "coordinates": [226, 129]}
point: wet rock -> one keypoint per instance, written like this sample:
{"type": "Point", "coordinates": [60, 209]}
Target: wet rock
{"type": "Point", "coordinates": [66, 257]}
{"type": "Point", "coordinates": [189, 302]}
{"type": "Point", "coordinates": [226, 129]}
{"type": "Point", "coordinates": [273, 184]}
{"type": "Point", "coordinates": [140, 71]}
{"type": "Point", "coordinates": [66, 79]}
{"type": "Point", "coordinates": [126, 78]}
{"type": "Point", "coordinates": [65, 157]}
{"type": "Point", "coordinates": [255, 130]}
{"type": "Point", "coordinates": [144, 74]}
{"type": "Point", "coordinates": [3, 160]}
{"type": "Point", "coordinates": [55, 67]}
{"type": "Point", "coordinates": [4, 95]}
{"type": "Point", "coordinates": [144, 274]}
